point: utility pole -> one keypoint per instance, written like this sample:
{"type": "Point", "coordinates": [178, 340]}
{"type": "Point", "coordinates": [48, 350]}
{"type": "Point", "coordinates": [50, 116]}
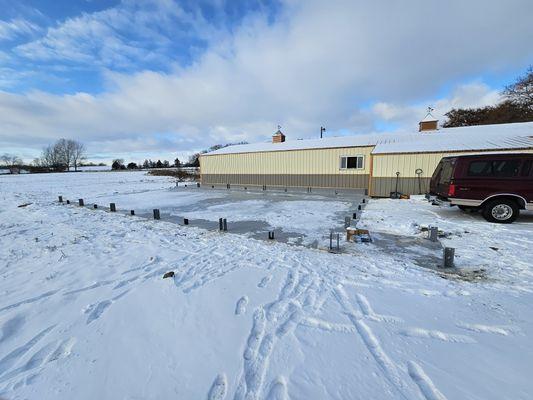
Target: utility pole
{"type": "Point", "coordinates": [322, 130]}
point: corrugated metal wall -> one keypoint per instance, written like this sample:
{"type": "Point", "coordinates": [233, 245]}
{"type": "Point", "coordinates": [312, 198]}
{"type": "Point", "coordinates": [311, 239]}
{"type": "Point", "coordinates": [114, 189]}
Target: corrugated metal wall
{"type": "Point", "coordinates": [385, 167]}
{"type": "Point", "coordinates": [320, 168]}
{"type": "Point", "coordinates": [304, 168]}
{"type": "Point", "coordinates": [297, 162]}
{"type": "Point", "coordinates": [288, 180]}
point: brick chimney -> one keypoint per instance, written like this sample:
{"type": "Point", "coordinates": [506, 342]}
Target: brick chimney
{"type": "Point", "coordinates": [429, 123]}
{"type": "Point", "coordinates": [278, 137]}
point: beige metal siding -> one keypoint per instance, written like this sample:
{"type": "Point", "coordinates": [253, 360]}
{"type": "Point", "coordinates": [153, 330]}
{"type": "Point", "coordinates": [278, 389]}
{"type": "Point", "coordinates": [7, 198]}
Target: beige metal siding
{"type": "Point", "coordinates": [386, 165]}
{"type": "Point", "coordinates": [295, 162]}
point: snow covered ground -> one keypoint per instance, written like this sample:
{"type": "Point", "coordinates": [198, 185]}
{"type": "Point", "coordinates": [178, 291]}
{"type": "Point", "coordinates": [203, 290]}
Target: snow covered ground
{"type": "Point", "coordinates": [85, 313]}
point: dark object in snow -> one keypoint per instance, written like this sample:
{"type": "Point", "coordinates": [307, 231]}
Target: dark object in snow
{"type": "Point", "coordinates": [132, 212]}
{"type": "Point", "coordinates": [24, 205]}
{"type": "Point", "coordinates": [494, 248]}
{"type": "Point", "coordinates": [156, 214]}
{"type": "Point", "coordinates": [433, 233]}
{"type": "Point", "coordinates": [396, 194]}
{"type": "Point", "coordinates": [112, 207]}
{"type": "Point", "coordinates": [185, 221]}
{"type": "Point", "coordinates": [68, 201]}
{"type": "Point", "coordinates": [271, 235]}
{"type": "Point", "coordinates": [61, 199]}
{"type": "Point", "coordinates": [169, 274]}
{"type": "Point", "coordinates": [449, 253]}
{"type": "Point", "coordinates": [81, 203]}
{"type": "Point", "coordinates": [95, 206]}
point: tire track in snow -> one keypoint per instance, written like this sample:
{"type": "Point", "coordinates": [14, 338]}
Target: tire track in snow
{"type": "Point", "coordinates": [426, 386]}
{"type": "Point", "coordinates": [371, 342]}
{"type": "Point", "coordinates": [434, 334]}
{"type": "Point", "coordinates": [367, 310]}
{"type": "Point", "coordinates": [10, 359]}
{"type": "Point", "coordinates": [219, 388]}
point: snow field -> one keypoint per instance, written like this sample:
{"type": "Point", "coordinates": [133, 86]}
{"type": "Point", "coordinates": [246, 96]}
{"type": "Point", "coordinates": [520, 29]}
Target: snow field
{"type": "Point", "coordinates": [85, 313]}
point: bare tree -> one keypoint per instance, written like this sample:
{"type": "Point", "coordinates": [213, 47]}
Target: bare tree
{"type": "Point", "coordinates": [11, 161]}
{"type": "Point", "coordinates": [63, 154]}
{"type": "Point", "coordinates": [521, 91]}
{"type": "Point", "coordinates": [78, 153]}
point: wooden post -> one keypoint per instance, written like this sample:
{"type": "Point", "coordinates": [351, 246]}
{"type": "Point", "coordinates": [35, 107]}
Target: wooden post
{"type": "Point", "coordinates": [80, 202]}
{"type": "Point", "coordinates": [61, 199]}
{"type": "Point", "coordinates": [68, 201]}
{"type": "Point", "coordinates": [225, 224]}
{"type": "Point", "coordinates": [359, 207]}
{"type": "Point", "coordinates": [354, 216]}
{"type": "Point", "coordinates": [185, 221]}
{"type": "Point", "coordinates": [132, 212]}
{"type": "Point", "coordinates": [156, 214]}
{"type": "Point", "coordinates": [220, 226]}
{"type": "Point", "coordinates": [112, 207]}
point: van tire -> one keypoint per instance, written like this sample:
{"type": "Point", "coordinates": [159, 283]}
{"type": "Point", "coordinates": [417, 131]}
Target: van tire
{"type": "Point", "coordinates": [502, 211]}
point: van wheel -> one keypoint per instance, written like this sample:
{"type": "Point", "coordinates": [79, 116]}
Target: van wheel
{"type": "Point", "coordinates": [502, 211]}
{"type": "Point", "coordinates": [469, 209]}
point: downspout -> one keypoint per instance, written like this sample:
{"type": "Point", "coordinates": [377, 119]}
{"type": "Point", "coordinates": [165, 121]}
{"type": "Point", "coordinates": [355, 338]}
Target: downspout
{"type": "Point", "coordinates": [371, 173]}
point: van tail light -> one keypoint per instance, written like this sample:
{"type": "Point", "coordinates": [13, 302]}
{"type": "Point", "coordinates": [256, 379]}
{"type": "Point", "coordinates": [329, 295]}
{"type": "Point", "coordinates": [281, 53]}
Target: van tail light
{"type": "Point", "coordinates": [451, 190]}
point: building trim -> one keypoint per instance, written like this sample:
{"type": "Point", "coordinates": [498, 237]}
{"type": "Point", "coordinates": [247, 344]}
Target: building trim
{"type": "Point", "coordinates": [282, 150]}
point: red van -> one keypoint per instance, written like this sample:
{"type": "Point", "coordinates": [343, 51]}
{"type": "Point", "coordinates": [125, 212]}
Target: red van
{"type": "Point", "coordinates": [500, 185]}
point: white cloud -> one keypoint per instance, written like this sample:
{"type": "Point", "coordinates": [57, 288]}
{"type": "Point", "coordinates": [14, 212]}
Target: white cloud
{"type": "Point", "coordinates": [16, 27]}
{"type": "Point", "coordinates": [469, 95]}
{"type": "Point", "coordinates": [316, 64]}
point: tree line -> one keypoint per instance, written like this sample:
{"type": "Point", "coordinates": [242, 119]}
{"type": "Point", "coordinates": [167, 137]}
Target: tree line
{"type": "Point", "coordinates": [193, 160]}
{"type": "Point", "coordinates": [60, 156]}
{"type": "Point", "coordinates": [516, 106]}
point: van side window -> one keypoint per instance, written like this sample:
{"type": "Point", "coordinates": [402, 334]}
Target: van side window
{"type": "Point", "coordinates": [527, 169]}
{"type": "Point", "coordinates": [496, 168]}
{"type": "Point", "coordinates": [480, 168]}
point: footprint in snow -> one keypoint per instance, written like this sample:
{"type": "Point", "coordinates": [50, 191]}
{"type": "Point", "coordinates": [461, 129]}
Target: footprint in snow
{"type": "Point", "coordinates": [278, 389]}
{"type": "Point", "coordinates": [240, 308]}
{"type": "Point", "coordinates": [265, 281]}
{"type": "Point", "coordinates": [219, 388]}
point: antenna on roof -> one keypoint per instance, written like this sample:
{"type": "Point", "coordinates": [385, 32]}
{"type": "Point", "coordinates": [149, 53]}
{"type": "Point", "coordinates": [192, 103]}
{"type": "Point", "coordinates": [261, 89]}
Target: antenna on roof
{"type": "Point", "coordinates": [322, 130]}
{"type": "Point", "coordinates": [279, 127]}
{"type": "Point", "coordinates": [430, 109]}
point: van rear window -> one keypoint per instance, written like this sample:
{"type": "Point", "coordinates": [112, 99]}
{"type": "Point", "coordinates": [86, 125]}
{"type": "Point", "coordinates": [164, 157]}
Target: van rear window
{"type": "Point", "coordinates": [494, 168]}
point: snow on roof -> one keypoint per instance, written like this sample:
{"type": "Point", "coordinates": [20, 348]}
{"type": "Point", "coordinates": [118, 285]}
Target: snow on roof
{"type": "Point", "coordinates": [429, 118]}
{"type": "Point", "coordinates": [481, 137]}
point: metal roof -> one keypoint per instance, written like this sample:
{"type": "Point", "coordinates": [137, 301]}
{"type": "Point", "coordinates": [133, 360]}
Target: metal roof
{"type": "Point", "coordinates": [480, 137]}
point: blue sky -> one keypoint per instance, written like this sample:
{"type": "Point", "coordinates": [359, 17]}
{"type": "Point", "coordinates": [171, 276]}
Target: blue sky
{"type": "Point", "coordinates": [160, 78]}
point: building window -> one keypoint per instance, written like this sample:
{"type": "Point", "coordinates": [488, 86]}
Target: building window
{"type": "Point", "coordinates": [352, 162]}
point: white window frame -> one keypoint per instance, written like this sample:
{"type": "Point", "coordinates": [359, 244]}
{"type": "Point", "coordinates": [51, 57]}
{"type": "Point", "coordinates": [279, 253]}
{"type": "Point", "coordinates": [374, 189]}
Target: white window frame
{"type": "Point", "coordinates": [345, 159]}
